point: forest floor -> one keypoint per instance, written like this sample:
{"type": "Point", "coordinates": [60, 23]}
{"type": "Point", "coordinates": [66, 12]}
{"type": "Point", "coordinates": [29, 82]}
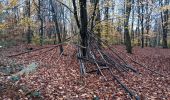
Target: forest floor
{"type": "Point", "coordinates": [58, 77]}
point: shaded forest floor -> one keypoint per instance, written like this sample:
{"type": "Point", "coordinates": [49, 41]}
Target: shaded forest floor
{"type": "Point", "coordinates": [58, 77]}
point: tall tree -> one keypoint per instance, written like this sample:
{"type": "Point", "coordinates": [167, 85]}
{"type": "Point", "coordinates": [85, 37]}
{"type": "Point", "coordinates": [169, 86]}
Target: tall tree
{"type": "Point", "coordinates": [148, 9]}
{"type": "Point", "coordinates": [138, 22]}
{"type": "Point", "coordinates": [54, 15]}
{"type": "Point", "coordinates": [28, 15]}
{"type": "Point", "coordinates": [94, 4]}
{"type": "Point", "coordinates": [98, 18]}
{"type": "Point", "coordinates": [75, 13]}
{"type": "Point", "coordinates": [133, 18]}
{"type": "Point", "coordinates": [165, 25]}
{"type": "Point", "coordinates": [142, 23]}
{"type": "Point", "coordinates": [40, 16]}
{"type": "Point", "coordinates": [83, 26]}
{"type": "Point", "coordinates": [106, 17]}
{"type": "Point", "coordinates": [126, 26]}
{"type": "Point", "coordinates": [95, 17]}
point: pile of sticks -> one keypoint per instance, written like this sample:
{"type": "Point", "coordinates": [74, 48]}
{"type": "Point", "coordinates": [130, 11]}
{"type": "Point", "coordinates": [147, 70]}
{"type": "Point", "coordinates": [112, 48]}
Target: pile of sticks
{"type": "Point", "coordinates": [98, 55]}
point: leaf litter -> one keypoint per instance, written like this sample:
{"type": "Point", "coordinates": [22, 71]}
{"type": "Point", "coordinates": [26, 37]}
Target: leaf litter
{"type": "Point", "coordinates": [58, 76]}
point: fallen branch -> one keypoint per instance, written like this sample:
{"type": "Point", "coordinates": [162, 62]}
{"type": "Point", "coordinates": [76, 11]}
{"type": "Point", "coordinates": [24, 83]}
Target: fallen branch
{"type": "Point", "coordinates": [35, 50]}
{"type": "Point", "coordinates": [63, 43]}
{"type": "Point", "coordinates": [43, 52]}
{"type": "Point", "coordinates": [131, 94]}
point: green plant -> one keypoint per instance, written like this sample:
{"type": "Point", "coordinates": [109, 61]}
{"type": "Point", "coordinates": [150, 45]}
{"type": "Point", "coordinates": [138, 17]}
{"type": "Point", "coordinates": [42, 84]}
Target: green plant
{"type": "Point", "coordinates": [36, 39]}
{"type": "Point", "coordinates": [8, 43]}
{"type": "Point", "coordinates": [49, 41]}
{"type": "Point", "coordinates": [168, 43]}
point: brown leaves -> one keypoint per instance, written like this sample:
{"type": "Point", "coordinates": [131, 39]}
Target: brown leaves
{"type": "Point", "coordinates": [150, 85]}
{"type": "Point", "coordinates": [60, 79]}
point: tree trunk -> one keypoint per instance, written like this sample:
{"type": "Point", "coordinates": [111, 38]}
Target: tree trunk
{"type": "Point", "coordinates": [40, 16]}
{"type": "Point", "coordinates": [142, 26]}
{"type": "Point", "coordinates": [28, 15]}
{"type": "Point", "coordinates": [126, 27]}
{"type": "Point", "coordinates": [75, 13]}
{"type": "Point", "coordinates": [96, 13]}
{"type": "Point", "coordinates": [133, 17]}
{"type": "Point", "coordinates": [83, 27]}
{"type": "Point", "coordinates": [138, 24]}
{"type": "Point", "coordinates": [106, 17]}
{"type": "Point", "coordinates": [165, 26]}
{"type": "Point", "coordinates": [98, 28]}
{"type": "Point", "coordinates": [56, 26]}
{"type": "Point", "coordinates": [94, 3]}
{"type": "Point", "coordinates": [147, 24]}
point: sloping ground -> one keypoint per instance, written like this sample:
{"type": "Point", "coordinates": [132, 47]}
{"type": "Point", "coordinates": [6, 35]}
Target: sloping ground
{"type": "Point", "coordinates": [149, 84]}
{"type": "Point", "coordinates": [58, 77]}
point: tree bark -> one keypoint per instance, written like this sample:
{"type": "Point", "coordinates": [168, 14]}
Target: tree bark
{"type": "Point", "coordinates": [147, 24]}
{"type": "Point", "coordinates": [75, 13]}
{"type": "Point", "coordinates": [56, 26]}
{"type": "Point", "coordinates": [83, 26]}
{"type": "Point", "coordinates": [165, 25]}
{"type": "Point", "coordinates": [133, 17]}
{"type": "Point", "coordinates": [138, 24]}
{"type": "Point", "coordinates": [94, 3]}
{"type": "Point", "coordinates": [126, 27]}
{"type": "Point", "coordinates": [106, 17]}
{"type": "Point", "coordinates": [28, 15]}
{"type": "Point", "coordinates": [142, 26]}
{"type": "Point", "coordinates": [40, 16]}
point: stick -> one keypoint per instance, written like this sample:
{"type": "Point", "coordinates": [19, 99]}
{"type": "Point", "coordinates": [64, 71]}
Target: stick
{"type": "Point", "coordinates": [131, 94]}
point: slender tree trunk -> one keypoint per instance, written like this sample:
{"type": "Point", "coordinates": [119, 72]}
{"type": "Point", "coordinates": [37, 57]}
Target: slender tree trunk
{"type": "Point", "coordinates": [83, 26]}
{"type": "Point", "coordinates": [98, 28]}
{"type": "Point", "coordinates": [40, 16]}
{"type": "Point", "coordinates": [75, 13]}
{"type": "Point", "coordinates": [133, 17]}
{"type": "Point", "coordinates": [56, 26]}
{"type": "Point", "coordinates": [96, 13]}
{"type": "Point", "coordinates": [147, 24]}
{"type": "Point", "coordinates": [165, 26]}
{"type": "Point", "coordinates": [64, 25]}
{"type": "Point", "coordinates": [94, 3]}
{"type": "Point", "coordinates": [138, 24]}
{"type": "Point", "coordinates": [28, 15]}
{"type": "Point", "coordinates": [126, 27]}
{"type": "Point", "coordinates": [142, 26]}
{"type": "Point", "coordinates": [106, 17]}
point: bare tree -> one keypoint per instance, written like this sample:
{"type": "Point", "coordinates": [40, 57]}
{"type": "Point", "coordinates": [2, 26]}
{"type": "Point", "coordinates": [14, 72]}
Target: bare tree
{"type": "Point", "coordinates": [133, 18]}
{"type": "Point", "coordinates": [28, 15]}
{"type": "Point", "coordinates": [126, 26]}
{"type": "Point", "coordinates": [83, 26]}
{"type": "Point", "coordinates": [164, 17]}
{"type": "Point", "coordinates": [54, 15]}
{"type": "Point", "coordinates": [142, 24]}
